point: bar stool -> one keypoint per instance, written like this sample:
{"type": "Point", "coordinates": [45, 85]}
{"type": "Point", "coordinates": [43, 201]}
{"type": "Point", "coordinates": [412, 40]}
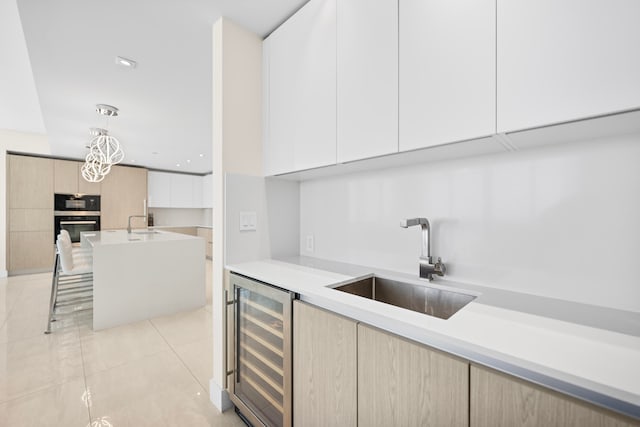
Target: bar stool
{"type": "Point", "coordinates": [66, 238]}
{"type": "Point", "coordinates": [72, 282]}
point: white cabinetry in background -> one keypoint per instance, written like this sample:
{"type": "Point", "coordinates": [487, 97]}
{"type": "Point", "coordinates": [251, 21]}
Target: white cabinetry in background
{"type": "Point", "coordinates": [447, 71]}
{"type": "Point", "coordinates": [159, 189]}
{"type": "Point", "coordinates": [182, 191]}
{"type": "Point", "coordinates": [301, 74]}
{"type": "Point", "coordinates": [367, 73]}
{"type": "Point", "coordinates": [175, 190]}
{"type": "Point", "coordinates": [566, 60]}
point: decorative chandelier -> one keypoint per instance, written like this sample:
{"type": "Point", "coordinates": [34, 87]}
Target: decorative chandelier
{"type": "Point", "coordinates": [104, 149]}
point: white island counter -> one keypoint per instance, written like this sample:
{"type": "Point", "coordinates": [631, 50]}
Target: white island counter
{"type": "Point", "coordinates": [144, 274]}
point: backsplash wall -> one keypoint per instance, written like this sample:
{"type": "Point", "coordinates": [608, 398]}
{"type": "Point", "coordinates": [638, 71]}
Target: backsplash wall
{"type": "Point", "coordinates": [559, 221]}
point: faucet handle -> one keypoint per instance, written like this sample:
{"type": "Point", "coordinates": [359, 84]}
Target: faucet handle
{"type": "Point", "coordinates": [439, 268]}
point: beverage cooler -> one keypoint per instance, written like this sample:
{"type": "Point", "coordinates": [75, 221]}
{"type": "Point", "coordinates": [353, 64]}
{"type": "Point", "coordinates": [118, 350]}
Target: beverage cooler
{"type": "Point", "coordinates": [260, 335]}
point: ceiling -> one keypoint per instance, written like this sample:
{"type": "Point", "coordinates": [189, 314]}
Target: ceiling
{"type": "Point", "coordinates": [165, 102]}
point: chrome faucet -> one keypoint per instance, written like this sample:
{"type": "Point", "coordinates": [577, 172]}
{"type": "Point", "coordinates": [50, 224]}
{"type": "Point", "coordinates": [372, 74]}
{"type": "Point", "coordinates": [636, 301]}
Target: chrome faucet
{"type": "Point", "coordinates": [129, 221]}
{"type": "Point", "coordinates": [144, 209]}
{"type": "Point", "coordinates": [427, 268]}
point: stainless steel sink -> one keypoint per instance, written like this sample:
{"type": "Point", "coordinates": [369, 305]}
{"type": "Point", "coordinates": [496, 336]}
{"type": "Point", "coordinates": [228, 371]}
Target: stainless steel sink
{"type": "Point", "coordinates": [423, 299]}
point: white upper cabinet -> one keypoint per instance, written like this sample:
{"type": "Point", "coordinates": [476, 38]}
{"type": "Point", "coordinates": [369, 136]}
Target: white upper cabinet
{"type": "Point", "coordinates": [159, 188]}
{"type": "Point", "coordinates": [182, 190]}
{"type": "Point", "coordinates": [302, 90]}
{"type": "Point", "coordinates": [564, 60]}
{"type": "Point", "coordinates": [367, 73]}
{"type": "Point", "coordinates": [447, 71]}
{"type": "Point", "coordinates": [176, 190]}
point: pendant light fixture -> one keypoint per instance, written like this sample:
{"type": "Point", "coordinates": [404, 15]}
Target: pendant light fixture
{"type": "Point", "coordinates": [104, 149]}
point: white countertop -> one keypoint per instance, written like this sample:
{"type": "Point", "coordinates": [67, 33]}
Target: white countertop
{"type": "Point", "coordinates": [179, 226]}
{"type": "Point", "coordinates": [121, 237]}
{"type": "Point", "coordinates": [590, 352]}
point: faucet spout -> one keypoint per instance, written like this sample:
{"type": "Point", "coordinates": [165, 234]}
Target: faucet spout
{"type": "Point", "coordinates": [426, 233]}
{"type": "Point", "coordinates": [427, 269]}
{"type": "Point", "coordinates": [129, 221]}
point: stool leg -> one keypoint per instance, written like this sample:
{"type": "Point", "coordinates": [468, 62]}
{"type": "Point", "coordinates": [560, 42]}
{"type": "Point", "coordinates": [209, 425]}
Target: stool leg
{"type": "Point", "coordinates": [54, 292]}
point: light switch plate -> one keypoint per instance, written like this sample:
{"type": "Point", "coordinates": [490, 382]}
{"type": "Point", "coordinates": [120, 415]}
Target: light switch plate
{"type": "Point", "coordinates": [248, 221]}
{"type": "Point", "coordinates": [310, 243]}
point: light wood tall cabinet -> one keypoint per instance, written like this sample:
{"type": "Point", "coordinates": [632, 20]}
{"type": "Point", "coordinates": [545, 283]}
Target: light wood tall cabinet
{"type": "Point", "coordinates": [447, 71]}
{"type": "Point", "coordinates": [324, 368]}
{"type": "Point", "coordinates": [30, 214]}
{"type": "Point", "coordinates": [124, 193]}
{"type": "Point", "coordinates": [566, 60]}
{"type": "Point", "coordinates": [401, 383]}
{"type": "Point", "coordinates": [68, 179]}
{"type": "Point", "coordinates": [498, 400]}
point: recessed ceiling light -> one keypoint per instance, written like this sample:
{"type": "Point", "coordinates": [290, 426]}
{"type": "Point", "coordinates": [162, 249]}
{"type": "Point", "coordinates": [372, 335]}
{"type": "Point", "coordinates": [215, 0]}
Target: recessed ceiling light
{"type": "Point", "coordinates": [128, 63]}
{"type": "Point", "coordinates": [188, 161]}
{"type": "Point", "coordinates": [201, 155]}
{"type": "Point", "coordinates": [133, 161]}
{"type": "Point", "coordinates": [178, 164]}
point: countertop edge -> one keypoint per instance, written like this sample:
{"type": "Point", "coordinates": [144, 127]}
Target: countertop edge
{"type": "Point", "coordinates": [585, 389]}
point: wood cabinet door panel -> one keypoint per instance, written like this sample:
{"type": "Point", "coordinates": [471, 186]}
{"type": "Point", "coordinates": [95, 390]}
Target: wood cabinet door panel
{"type": "Point", "coordinates": [324, 368]}
{"type": "Point", "coordinates": [401, 383]}
{"type": "Point", "coordinates": [30, 182]}
{"type": "Point", "coordinates": [498, 400]}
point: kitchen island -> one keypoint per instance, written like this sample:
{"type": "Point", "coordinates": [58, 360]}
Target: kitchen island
{"type": "Point", "coordinates": [144, 274]}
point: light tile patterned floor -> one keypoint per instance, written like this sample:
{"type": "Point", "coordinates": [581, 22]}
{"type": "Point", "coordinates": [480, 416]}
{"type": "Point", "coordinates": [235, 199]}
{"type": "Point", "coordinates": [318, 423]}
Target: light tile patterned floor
{"type": "Point", "coordinates": [150, 373]}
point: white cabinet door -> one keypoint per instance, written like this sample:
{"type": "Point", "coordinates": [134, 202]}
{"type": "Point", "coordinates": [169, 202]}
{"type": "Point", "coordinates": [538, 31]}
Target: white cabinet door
{"type": "Point", "coordinates": [367, 88]}
{"type": "Point", "coordinates": [181, 191]}
{"type": "Point", "coordinates": [447, 71]}
{"type": "Point", "coordinates": [567, 59]}
{"type": "Point", "coordinates": [159, 188]}
{"type": "Point", "coordinates": [207, 191]}
{"type": "Point", "coordinates": [302, 90]}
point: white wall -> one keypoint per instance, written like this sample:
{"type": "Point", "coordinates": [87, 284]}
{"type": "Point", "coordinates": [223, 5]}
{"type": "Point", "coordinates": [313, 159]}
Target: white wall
{"type": "Point", "coordinates": [180, 216]}
{"type": "Point", "coordinates": [276, 204]}
{"type": "Point", "coordinates": [559, 221]}
{"type": "Point", "coordinates": [237, 148]}
{"type": "Point", "coordinates": [26, 142]}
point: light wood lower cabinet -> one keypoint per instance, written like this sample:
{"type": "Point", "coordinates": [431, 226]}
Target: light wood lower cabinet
{"type": "Point", "coordinates": [30, 251]}
{"type": "Point", "coordinates": [500, 400]}
{"type": "Point", "coordinates": [401, 383]}
{"type": "Point", "coordinates": [324, 368]}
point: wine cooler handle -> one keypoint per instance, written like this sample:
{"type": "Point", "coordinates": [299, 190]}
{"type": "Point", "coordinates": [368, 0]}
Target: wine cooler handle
{"type": "Point", "coordinates": [229, 332]}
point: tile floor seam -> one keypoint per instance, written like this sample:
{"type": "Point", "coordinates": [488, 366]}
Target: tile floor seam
{"type": "Point", "coordinates": [88, 402]}
{"type": "Point", "coordinates": [206, 390]}
{"type": "Point", "coordinates": [124, 362]}
{"type": "Point", "coordinates": [39, 390]}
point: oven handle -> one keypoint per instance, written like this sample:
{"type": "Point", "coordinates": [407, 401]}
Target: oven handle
{"type": "Point", "coordinates": [76, 222]}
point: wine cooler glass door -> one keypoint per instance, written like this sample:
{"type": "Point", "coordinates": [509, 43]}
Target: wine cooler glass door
{"type": "Point", "coordinates": [263, 351]}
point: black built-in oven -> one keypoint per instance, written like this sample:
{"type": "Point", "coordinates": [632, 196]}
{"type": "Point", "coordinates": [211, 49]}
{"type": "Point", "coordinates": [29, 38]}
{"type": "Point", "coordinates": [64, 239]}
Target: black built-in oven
{"type": "Point", "coordinates": [76, 213]}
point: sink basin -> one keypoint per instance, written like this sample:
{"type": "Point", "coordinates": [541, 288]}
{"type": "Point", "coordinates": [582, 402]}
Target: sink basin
{"type": "Point", "coordinates": [423, 299]}
{"type": "Point", "coordinates": [145, 232]}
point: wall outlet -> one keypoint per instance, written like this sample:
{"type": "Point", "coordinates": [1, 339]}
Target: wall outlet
{"type": "Point", "coordinates": [248, 221]}
{"type": "Point", "coordinates": [310, 243]}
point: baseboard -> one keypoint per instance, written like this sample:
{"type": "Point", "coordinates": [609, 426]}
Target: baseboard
{"type": "Point", "coordinates": [219, 397]}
